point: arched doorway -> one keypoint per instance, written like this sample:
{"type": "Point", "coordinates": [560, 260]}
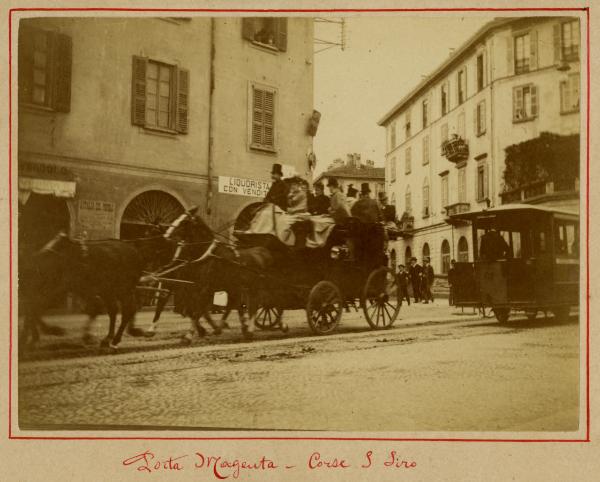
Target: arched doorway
{"type": "Point", "coordinates": [426, 251]}
{"type": "Point", "coordinates": [41, 217]}
{"type": "Point", "coordinates": [445, 256]}
{"type": "Point", "coordinates": [149, 209]}
{"type": "Point", "coordinates": [463, 250]}
{"type": "Point", "coordinates": [407, 255]}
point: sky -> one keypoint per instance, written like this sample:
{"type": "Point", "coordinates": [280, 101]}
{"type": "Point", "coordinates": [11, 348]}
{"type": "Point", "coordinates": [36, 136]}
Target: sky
{"type": "Point", "coordinates": [384, 59]}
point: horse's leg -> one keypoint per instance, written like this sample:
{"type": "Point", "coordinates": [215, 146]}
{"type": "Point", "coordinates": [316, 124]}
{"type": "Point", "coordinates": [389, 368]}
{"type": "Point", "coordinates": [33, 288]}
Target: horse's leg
{"type": "Point", "coordinates": [128, 310]}
{"type": "Point", "coordinates": [112, 309]}
{"type": "Point", "coordinates": [160, 306]}
{"type": "Point", "coordinates": [92, 310]}
{"type": "Point", "coordinates": [216, 328]}
{"type": "Point", "coordinates": [252, 305]}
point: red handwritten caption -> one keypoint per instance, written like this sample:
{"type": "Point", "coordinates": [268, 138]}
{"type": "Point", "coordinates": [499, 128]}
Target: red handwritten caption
{"type": "Point", "coordinates": [224, 468]}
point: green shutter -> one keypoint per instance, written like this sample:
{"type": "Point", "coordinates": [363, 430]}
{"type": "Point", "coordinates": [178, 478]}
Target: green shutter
{"type": "Point", "coordinates": [281, 33]}
{"type": "Point", "coordinates": [534, 101]}
{"type": "Point", "coordinates": [138, 91]}
{"type": "Point", "coordinates": [182, 101]}
{"type": "Point", "coordinates": [62, 72]}
{"type": "Point", "coordinates": [518, 103]}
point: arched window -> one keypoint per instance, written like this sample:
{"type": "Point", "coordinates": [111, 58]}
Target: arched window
{"type": "Point", "coordinates": [445, 256]}
{"type": "Point", "coordinates": [426, 252]}
{"type": "Point", "coordinates": [463, 250]}
{"type": "Point", "coordinates": [148, 210]}
{"type": "Point", "coordinates": [426, 197]}
{"type": "Point", "coordinates": [407, 201]}
{"type": "Point", "coordinates": [407, 256]}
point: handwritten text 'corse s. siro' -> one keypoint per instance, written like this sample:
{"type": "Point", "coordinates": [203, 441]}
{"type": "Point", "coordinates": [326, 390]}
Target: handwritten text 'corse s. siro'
{"type": "Point", "coordinates": [224, 468]}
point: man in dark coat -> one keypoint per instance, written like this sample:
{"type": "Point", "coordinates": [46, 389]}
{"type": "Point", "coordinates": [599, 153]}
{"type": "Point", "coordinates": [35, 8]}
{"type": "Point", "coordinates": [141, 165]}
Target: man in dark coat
{"type": "Point", "coordinates": [427, 278]}
{"type": "Point", "coordinates": [402, 279]}
{"type": "Point", "coordinates": [414, 273]}
{"type": "Point", "coordinates": [366, 209]}
{"type": "Point", "coordinates": [319, 203]}
{"type": "Point", "coordinates": [279, 190]}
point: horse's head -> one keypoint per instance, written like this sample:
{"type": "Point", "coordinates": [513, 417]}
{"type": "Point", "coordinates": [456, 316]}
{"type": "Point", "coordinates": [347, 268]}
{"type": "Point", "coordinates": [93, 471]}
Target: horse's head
{"type": "Point", "coordinates": [189, 228]}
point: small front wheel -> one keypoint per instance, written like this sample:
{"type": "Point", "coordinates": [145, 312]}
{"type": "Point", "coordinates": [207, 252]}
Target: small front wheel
{"type": "Point", "coordinates": [324, 307]}
{"type": "Point", "coordinates": [268, 318]}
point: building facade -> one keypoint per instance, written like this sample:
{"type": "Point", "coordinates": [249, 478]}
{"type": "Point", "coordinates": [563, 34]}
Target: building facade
{"type": "Point", "coordinates": [124, 123]}
{"type": "Point", "coordinates": [353, 172]}
{"type": "Point", "coordinates": [512, 82]}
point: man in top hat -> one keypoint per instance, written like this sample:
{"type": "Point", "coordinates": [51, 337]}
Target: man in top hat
{"type": "Point", "coordinates": [414, 273]}
{"type": "Point", "coordinates": [279, 191]}
{"type": "Point", "coordinates": [319, 203]}
{"type": "Point", "coordinates": [338, 208]}
{"type": "Point", "coordinates": [427, 278]}
{"type": "Point", "coordinates": [366, 209]}
{"type": "Point", "coordinates": [351, 195]}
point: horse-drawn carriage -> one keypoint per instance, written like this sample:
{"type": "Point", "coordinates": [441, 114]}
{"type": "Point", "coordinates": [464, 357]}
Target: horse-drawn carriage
{"type": "Point", "coordinates": [315, 265]}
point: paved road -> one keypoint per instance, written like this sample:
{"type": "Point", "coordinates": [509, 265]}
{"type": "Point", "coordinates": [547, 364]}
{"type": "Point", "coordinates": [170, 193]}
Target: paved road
{"type": "Point", "coordinates": [441, 373]}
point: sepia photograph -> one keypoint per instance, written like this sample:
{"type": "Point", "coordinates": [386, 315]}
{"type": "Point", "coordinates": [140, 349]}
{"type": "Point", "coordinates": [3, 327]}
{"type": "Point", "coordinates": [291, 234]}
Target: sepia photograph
{"type": "Point", "coordinates": [338, 223]}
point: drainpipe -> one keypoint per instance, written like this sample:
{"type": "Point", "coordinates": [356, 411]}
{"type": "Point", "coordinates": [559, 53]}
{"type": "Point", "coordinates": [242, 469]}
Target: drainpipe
{"type": "Point", "coordinates": [492, 138]}
{"type": "Point", "coordinates": [211, 100]}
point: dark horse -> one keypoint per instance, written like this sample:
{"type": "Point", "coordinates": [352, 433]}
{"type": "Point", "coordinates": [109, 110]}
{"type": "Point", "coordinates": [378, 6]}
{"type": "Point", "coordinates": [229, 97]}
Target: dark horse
{"type": "Point", "coordinates": [217, 266]}
{"type": "Point", "coordinates": [103, 272]}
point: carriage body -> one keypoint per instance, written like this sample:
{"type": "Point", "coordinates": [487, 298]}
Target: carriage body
{"type": "Point", "coordinates": [539, 271]}
{"type": "Point", "coordinates": [350, 268]}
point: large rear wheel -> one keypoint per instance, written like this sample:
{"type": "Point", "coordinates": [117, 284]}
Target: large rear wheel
{"type": "Point", "coordinates": [381, 298]}
{"type": "Point", "coordinates": [324, 307]}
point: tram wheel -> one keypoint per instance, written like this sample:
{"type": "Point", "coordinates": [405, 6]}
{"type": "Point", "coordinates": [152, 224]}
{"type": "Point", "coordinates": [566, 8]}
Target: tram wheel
{"type": "Point", "coordinates": [324, 308]}
{"type": "Point", "coordinates": [381, 298]}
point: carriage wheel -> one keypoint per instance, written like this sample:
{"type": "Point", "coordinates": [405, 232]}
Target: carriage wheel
{"type": "Point", "coordinates": [502, 314]}
{"type": "Point", "coordinates": [324, 307]}
{"type": "Point", "coordinates": [381, 298]}
{"type": "Point", "coordinates": [268, 318]}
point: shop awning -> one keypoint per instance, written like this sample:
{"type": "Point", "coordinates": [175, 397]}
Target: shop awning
{"type": "Point", "coordinates": [63, 189]}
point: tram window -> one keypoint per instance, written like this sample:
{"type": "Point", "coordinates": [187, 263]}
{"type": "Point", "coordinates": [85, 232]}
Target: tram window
{"type": "Point", "coordinates": [539, 243]}
{"type": "Point", "coordinates": [566, 239]}
{"type": "Point", "coordinates": [516, 244]}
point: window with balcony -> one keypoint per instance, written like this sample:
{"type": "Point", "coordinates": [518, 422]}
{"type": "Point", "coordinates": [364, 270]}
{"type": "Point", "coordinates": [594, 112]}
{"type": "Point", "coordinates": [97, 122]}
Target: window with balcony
{"type": "Point", "coordinates": [444, 97]}
{"type": "Point", "coordinates": [522, 46]}
{"type": "Point", "coordinates": [569, 39]}
{"type": "Point", "coordinates": [569, 94]}
{"type": "Point", "coordinates": [407, 161]}
{"type": "Point", "coordinates": [525, 103]}
{"type": "Point", "coordinates": [462, 85]}
{"type": "Point", "coordinates": [425, 110]}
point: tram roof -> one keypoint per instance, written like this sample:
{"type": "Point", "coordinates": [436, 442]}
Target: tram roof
{"type": "Point", "coordinates": [512, 209]}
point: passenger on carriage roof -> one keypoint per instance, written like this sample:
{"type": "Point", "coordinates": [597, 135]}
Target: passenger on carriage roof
{"type": "Point", "coordinates": [366, 209]}
{"type": "Point", "coordinates": [338, 208]}
{"type": "Point", "coordinates": [278, 192]}
{"type": "Point", "coordinates": [319, 202]}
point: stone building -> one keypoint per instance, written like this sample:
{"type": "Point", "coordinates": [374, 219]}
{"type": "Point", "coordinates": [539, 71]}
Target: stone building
{"type": "Point", "coordinates": [515, 81]}
{"type": "Point", "coordinates": [354, 172]}
{"type": "Point", "coordinates": [125, 122]}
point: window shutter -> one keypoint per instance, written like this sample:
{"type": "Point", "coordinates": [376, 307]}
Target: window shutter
{"type": "Point", "coordinates": [269, 114]}
{"type": "Point", "coordinates": [25, 80]}
{"type": "Point", "coordinates": [475, 123]}
{"type": "Point", "coordinates": [533, 50]}
{"type": "Point", "coordinates": [517, 103]}
{"type": "Point", "coordinates": [556, 42]}
{"type": "Point", "coordinates": [248, 28]}
{"type": "Point", "coordinates": [534, 101]}
{"type": "Point", "coordinates": [138, 91]}
{"type": "Point", "coordinates": [281, 34]}
{"type": "Point", "coordinates": [182, 101]}
{"type": "Point", "coordinates": [510, 61]}
{"type": "Point", "coordinates": [62, 73]}
{"type": "Point", "coordinates": [258, 102]}
{"type": "Point", "coordinates": [485, 180]}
